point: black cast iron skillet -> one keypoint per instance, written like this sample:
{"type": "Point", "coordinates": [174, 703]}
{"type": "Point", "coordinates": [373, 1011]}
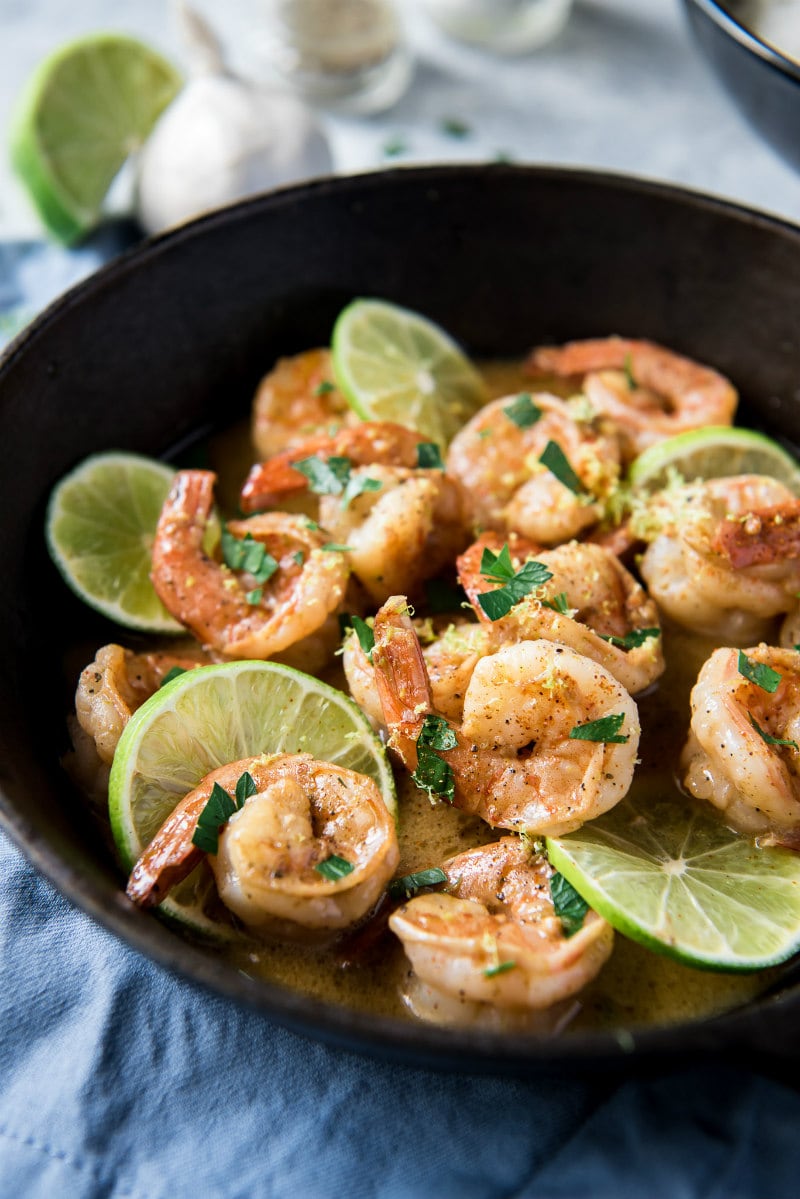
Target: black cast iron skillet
{"type": "Point", "coordinates": [172, 338]}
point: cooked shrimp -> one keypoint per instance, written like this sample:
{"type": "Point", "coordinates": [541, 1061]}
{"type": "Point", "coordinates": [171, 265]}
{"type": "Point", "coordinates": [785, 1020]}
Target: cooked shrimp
{"type": "Point", "coordinates": [602, 601]}
{"type": "Point", "coordinates": [510, 489]}
{"type": "Point", "coordinates": [400, 534]}
{"type": "Point", "coordinates": [303, 813]}
{"type": "Point", "coordinates": [514, 762]}
{"type": "Point", "coordinates": [494, 936]}
{"type": "Point", "coordinates": [649, 392]}
{"type": "Point", "coordinates": [116, 683]}
{"type": "Point", "coordinates": [728, 760]}
{"type": "Point", "coordinates": [297, 400]}
{"type": "Point", "coordinates": [271, 483]}
{"type": "Point", "coordinates": [230, 610]}
{"type": "Point", "coordinates": [690, 564]}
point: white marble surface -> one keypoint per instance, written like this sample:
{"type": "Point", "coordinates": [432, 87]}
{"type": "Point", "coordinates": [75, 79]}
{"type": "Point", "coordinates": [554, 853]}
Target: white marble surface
{"type": "Point", "coordinates": [623, 88]}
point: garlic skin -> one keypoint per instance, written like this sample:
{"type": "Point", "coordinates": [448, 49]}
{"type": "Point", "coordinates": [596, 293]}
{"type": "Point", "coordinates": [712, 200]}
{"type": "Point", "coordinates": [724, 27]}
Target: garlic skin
{"type": "Point", "coordinates": [220, 140]}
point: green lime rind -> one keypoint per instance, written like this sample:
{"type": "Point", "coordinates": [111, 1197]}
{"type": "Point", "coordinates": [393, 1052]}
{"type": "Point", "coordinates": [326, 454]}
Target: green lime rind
{"type": "Point", "coordinates": [218, 714]}
{"type": "Point", "coordinates": [86, 107]}
{"type": "Point", "coordinates": [99, 527]}
{"type": "Point", "coordinates": [714, 452]}
{"type": "Point", "coordinates": [673, 878]}
{"type": "Point", "coordinates": [394, 364]}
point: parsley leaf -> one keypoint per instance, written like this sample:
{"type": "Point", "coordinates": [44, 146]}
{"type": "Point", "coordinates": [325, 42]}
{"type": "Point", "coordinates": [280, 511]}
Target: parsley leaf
{"type": "Point", "coordinates": [218, 810]}
{"type": "Point", "coordinates": [498, 568]}
{"type": "Point", "coordinates": [772, 740]}
{"type": "Point", "coordinates": [500, 968]}
{"type": "Point", "coordinates": [410, 884]}
{"type": "Point", "coordinates": [570, 907]}
{"type": "Point", "coordinates": [255, 596]}
{"type": "Point", "coordinates": [394, 147]}
{"type": "Point", "coordinates": [605, 729]}
{"type": "Point", "coordinates": [174, 673]}
{"type": "Point", "coordinates": [627, 367]}
{"type": "Point", "coordinates": [298, 558]}
{"type": "Point", "coordinates": [429, 456]}
{"type": "Point", "coordinates": [324, 388]}
{"type": "Point", "coordinates": [558, 604]}
{"type": "Point", "coordinates": [522, 411]}
{"type": "Point", "coordinates": [358, 485]}
{"type": "Point", "coordinates": [633, 639]}
{"type": "Point", "coordinates": [249, 555]}
{"type": "Point", "coordinates": [455, 127]}
{"type": "Point", "coordinates": [556, 461]}
{"type": "Point", "coordinates": [433, 774]}
{"type": "Point", "coordinates": [333, 547]}
{"type": "Point", "coordinates": [757, 672]}
{"type": "Point", "coordinates": [334, 868]}
{"type": "Point", "coordinates": [366, 637]}
{"type": "Point", "coordinates": [326, 476]}
{"type": "Point", "coordinates": [436, 733]}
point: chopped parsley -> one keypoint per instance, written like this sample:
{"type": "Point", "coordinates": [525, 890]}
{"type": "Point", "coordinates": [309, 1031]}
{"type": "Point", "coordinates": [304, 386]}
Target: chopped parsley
{"type": "Point", "coordinates": [429, 456]}
{"type": "Point", "coordinates": [558, 604]}
{"type": "Point", "coordinates": [298, 558]}
{"type": "Point", "coordinates": [366, 637]}
{"type": "Point", "coordinates": [772, 740]}
{"type": "Point", "coordinates": [455, 127]}
{"type": "Point", "coordinates": [433, 774]}
{"type": "Point", "coordinates": [174, 673]}
{"type": "Point", "coordinates": [218, 810]}
{"type": "Point", "coordinates": [500, 968]}
{"type": "Point", "coordinates": [249, 555]}
{"type": "Point", "coordinates": [333, 547]}
{"type": "Point", "coordinates": [498, 568]}
{"type": "Point", "coordinates": [627, 367]}
{"type": "Point", "coordinates": [556, 461]}
{"type": "Point", "coordinates": [633, 639]}
{"type": "Point", "coordinates": [605, 729]}
{"type": "Point", "coordinates": [757, 672]}
{"type": "Point", "coordinates": [255, 596]}
{"type": "Point", "coordinates": [394, 147]}
{"type": "Point", "coordinates": [522, 411]}
{"type": "Point", "coordinates": [410, 884]}
{"type": "Point", "coordinates": [570, 907]}
{"type": "Point", "coordinates": [333, 476]}
{"type": "Point", "coordinates": [334, 868]}
{"type": "Point", "coordinates": [324, 388]}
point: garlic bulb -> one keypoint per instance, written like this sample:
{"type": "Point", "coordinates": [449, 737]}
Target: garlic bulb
{"type": "Point", "coordinates": [221, 139]}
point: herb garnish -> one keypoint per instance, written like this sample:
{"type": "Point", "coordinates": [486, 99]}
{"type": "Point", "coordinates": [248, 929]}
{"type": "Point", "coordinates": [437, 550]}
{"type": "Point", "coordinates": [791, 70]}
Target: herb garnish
{"type": "Point", "coordinates": [218, 810]}
{"type": "Point", "coordinates": [455, 127]}
{"type": "Point", "coordinates": [433, 774]}
{"type": "Point", "coordinates": [605, 729]}
{"type": "Point", "coordinates": [249, 555]}
{"type": "Point", "coordinates": [627, 366]}
{"type": "Point", "coordinates": [255, 596]}
{"type": "Point", "coordinates": [558, 604]}
{"type": "Point", "coordinates": [334, 868]}
{"type": "Point", "coordinates": [499, 568]}
{"type": "Point", "coordinates": [570, 907]}
{"type": "Point", "coordinates": [556, 461]}
{"type": "Point", "coordinates": [757, 672]}
{"type": "Point", "coordinates": [333, 547]}
{"type": "Point", "coordinates": [500, 968]}
{"type": "Point", "coordinates": [333, 476]}
{"type": "Point", "coordinates": [410, 884]}
{"type": "Point", "coordinates": [366, 637]}
{"type": "Point", "coordinates": [429, 456]}
{"type": "Point", "coordinates": [298, 558]}
{"type": "Point", "coordinates": [765, 736]}
{"type": "Point", "coordinates": [522, 411]}
{"type": "Point", "coordinates": [324, 388]}
{"type": "Point", "coordinates": [174, 673]}
{"type": "Point", "coordinates": [394, 147]}
{"type": "Point", "coordinates": [631, 640]}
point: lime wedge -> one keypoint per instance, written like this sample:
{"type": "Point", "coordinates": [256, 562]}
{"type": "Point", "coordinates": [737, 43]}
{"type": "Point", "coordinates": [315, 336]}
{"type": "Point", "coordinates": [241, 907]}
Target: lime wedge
{"type": "Point", "coordinates": [100, 525]}
{"type": "Point", "coordinates": [218, 714]}
{"type": "Point", "coordinates": [672, 877]}
{"type": "Point", "coordinates": [712, 453]}
{"type": "Point", "coordinates": [84, 110]}
{"type": "Point", "coordinates": [393, 364]}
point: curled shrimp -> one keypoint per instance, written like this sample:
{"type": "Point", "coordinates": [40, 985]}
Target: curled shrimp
{"type": "Point", "coordinates": [694, 567]}
{"type": "Point", "coordinates": [296, 400]}
{"type": "Point", "coordinates": [591, 603]}
{"type": "Point", "coordinates": [267, 868]}
{"type": "Point", "coordinates": [271, 483]}
{"type": "Point", "coordinates": [514, 762]}
{"type": "Point", "coordinates": [494, 938]}
{"type": "Point", "coordinates": [743, 752]}
{"type": "Point", "coordinates": [510, 489]}
{"type": "Point", "coordinates": [230, 610]}
{"type": "Point", "coordinates": [649, 392]}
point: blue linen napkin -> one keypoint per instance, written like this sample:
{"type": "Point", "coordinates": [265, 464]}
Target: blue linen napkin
{"type": "Point", "coordinates": [119, 1080]}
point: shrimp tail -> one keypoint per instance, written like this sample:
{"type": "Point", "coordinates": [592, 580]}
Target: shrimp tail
{"type": "Point", "coordinates": [401, 676]}
{"type": "Point", "coordinates": [170, 857]}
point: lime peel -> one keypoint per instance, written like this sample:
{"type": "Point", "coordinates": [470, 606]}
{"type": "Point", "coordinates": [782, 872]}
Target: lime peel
{"type": "Point", "coordinates": [713, 452]}
{"type": "Point", "coordinates": [672, 877]}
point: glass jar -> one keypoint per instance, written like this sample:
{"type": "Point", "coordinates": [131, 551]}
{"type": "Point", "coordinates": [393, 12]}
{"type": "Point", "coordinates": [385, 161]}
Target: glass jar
{"type": "Point", "coordinates": [507, 26]}
{"type": "Point", "coordinates": [348, 55]}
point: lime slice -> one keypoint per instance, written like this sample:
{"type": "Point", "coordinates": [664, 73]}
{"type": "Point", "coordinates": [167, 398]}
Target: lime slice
{"type": "Point", "coordinates": [393, 364]}
{"type": "Point", "coordinates": [84, 110]}
{"type": "Point", "coordinates": [100, 525]}
{"type": "Point", "coordinates": [219, 714]}
{"type": "Point", "coordinates": [672, 877]}
{"type": "Point", "coordinates": [712, 453]}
